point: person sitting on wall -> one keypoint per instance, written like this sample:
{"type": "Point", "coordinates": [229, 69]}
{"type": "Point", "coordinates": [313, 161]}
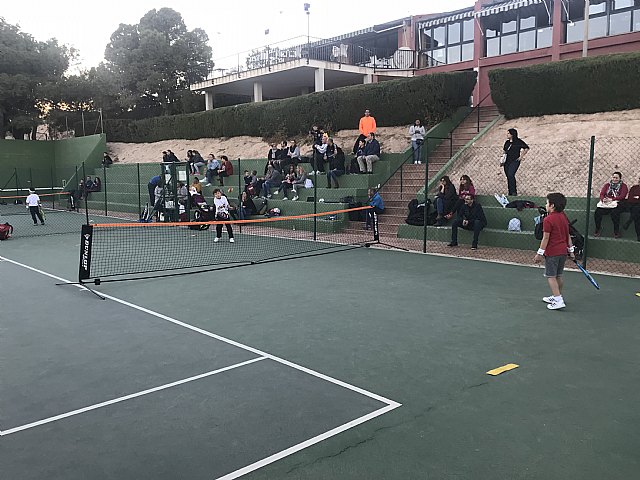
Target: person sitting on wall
{"type": "Point", "coordinates": [370, 155]}
{"type": "Point", "coordinates": [106, 160]}
{"type": "Point", "coordinates": [97, 185]}
{"type": "Point", "coordinates": [226, 169]}
{"type": "Point", "coordinates": [470, 217]}
{"type": "Point", "coordinates": [612, 196]}
{"type": "Point", "coordinates": [633, 204]}
{"type": "Point", "coordinates": [445, 200]}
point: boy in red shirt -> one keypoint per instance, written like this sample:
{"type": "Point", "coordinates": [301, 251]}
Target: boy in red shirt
{"type": "Point", "coordinates": [555, 246]}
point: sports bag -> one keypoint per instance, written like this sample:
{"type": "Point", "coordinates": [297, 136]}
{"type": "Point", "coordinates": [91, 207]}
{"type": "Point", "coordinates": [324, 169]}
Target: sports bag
{"type": "Point", "coordinates": [6, 230]}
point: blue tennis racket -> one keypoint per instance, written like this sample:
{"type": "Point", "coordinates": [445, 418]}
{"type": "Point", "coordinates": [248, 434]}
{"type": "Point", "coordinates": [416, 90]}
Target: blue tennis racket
{"type": "Point", "coordinates": [587, 274]}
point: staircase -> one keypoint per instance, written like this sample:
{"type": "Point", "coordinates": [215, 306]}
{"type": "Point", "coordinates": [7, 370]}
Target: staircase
{"type": "Point", "coordinates": [403, 185]}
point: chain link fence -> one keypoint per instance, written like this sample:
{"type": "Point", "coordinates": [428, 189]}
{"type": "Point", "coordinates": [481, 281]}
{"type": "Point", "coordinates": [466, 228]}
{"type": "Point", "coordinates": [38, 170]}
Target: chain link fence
{"type": "Point", "coordinates": [571, 168]}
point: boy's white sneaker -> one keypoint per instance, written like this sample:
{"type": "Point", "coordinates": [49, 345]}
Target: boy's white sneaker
{"type": "Point", "coordinates": [294, 198]}
{"type": "Point", "coordinates": [216, 240]}
{"type": "Point", "coordinates": [231, 240]}
{"type": "Point", "coordinates": [548, 299]}
{"type": "Point", "coordinates": [556, 305]}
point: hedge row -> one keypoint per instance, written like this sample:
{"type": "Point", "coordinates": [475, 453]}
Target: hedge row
{"type": "Point", "coordinates": [396, 102]}
{"type": "Point", "coordinates": [589, 85]}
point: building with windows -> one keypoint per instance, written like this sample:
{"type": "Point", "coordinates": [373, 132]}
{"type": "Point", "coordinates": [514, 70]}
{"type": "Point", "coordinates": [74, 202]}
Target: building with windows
{"type": "Point", "coordinates": [490, 34]}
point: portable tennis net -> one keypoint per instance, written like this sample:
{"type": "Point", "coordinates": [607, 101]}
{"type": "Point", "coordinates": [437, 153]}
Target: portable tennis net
{"type": "Point", "coordinates": [123, 251]}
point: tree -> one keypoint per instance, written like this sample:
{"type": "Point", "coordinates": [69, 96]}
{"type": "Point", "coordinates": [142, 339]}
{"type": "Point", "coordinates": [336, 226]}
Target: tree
{"type": "Point", "coordinates": [26, 68]}
{"type": "Point", "coordinates": [155, 61]}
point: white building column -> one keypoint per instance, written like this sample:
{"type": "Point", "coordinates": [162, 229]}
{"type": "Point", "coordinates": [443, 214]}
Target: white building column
{"type": "Point", "coordinates": [208, 100]}
{"type": "Point", "coordinates": [319, 80]}
{"type": "Point", "coordinates": [368, 78]}
{"type": "Point", "coordinates": [257, 91]}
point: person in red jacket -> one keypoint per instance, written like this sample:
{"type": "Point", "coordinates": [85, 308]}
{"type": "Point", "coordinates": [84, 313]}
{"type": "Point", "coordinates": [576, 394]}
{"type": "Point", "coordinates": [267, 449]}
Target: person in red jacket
{"type": "Point", "coordinates": [612, 196]}
{"type": "Point", "coordinates": [226, 169]}
{"type": "Point", "coordinates": [555, 246]}
{"type": "Point", "coordinates": [633, 204]}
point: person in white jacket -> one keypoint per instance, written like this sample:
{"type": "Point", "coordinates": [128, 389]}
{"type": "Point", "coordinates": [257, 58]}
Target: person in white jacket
{"type": "Point", "coordinates": [417, 132]}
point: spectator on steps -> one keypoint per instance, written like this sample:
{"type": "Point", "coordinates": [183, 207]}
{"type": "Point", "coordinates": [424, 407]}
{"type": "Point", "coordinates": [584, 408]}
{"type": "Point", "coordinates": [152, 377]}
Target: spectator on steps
{"type": "Point", "coordinates": [633, 204]}
{"type": "Point", "coordinates": [226, 169]}
{"type": "Point", "coordinates": [417, 132]}
{"type": "Point", "coordinates": [299, 182]}
{"type": "Point", "coordinates": [445, 200]}
{"type": "Point", "coordinates": [319, 155]}
{"type": "Point", "coordinates": [247, 207]}
{"type": "Point", "coordinates": [470, 217]}
{"type": "Point", "coordinates": [514, 150]}
{"type": "Point", "coordinates": [287, 183]}
{"type": "Point", "coordinates": [370, 155]}
{"type": "Point", "coordinates": [612, 196]}
{"type": "Point", "coordinates": [213, 167]}
{"type": "Point", "coordinates": [466, 188]}
{"type": "Point", "coordinates": [375, 201]}
{"type": "Point", "coordinates": [106, 160]}
{"type": "Point", "coordinates": [336, 168]}
{"type": "Point", "coordinates": [198, 161]}
{"type": "Point", "coordinates": [272, 179]}
{"type": "Point", "coordinates": [366, 126]}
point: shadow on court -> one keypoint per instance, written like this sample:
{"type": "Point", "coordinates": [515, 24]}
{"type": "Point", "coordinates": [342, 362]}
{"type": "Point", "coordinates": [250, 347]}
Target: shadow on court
{"type": "Point", "coordinates": [418, 330]}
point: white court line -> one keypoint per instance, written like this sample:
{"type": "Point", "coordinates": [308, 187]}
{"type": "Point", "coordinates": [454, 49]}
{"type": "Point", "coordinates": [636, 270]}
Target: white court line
{"type": "Point", "coordinates": [222, 339]}
{"type": "Point", "coordinates": [127, 397]}
{"type": "Point", "coordinates": [390, 403]}
{"type": "Point", "coordinates": [307, 443]}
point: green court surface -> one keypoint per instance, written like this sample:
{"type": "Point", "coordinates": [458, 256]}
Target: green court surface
{"type": "Point", "coordinates": [361, 364]}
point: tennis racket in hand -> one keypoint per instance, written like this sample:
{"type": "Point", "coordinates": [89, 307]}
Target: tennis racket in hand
{"type": "Point", "coordinates": [587, 274]}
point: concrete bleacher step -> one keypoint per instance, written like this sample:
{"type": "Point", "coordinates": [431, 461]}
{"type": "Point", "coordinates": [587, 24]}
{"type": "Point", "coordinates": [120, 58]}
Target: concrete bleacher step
{"type": "Point", "coordinates": [614, 249]}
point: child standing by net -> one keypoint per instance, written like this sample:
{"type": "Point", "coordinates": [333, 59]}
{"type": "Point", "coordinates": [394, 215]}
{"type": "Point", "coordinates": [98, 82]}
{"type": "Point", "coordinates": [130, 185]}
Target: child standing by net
{"type": "Point", "coordinates": [222, 214]}
{"type": "Point", "coordinates": [33, 204]}
{"type": "Point", "coordinates": [555, 246]}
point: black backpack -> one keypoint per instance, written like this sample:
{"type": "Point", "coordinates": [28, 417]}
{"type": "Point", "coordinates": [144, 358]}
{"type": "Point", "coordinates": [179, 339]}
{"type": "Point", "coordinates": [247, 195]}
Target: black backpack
{"type": "Point", "coordinates": [416, 213]}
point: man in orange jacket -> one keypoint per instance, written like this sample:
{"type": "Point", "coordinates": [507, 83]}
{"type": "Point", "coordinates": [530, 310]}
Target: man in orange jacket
{"type": "Point", "coordinates": [367, 125]}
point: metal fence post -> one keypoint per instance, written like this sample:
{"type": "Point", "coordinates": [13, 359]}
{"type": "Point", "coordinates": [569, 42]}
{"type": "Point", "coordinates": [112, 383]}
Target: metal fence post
{"type": "Point", "coordinates": [588, 212]}
{"type": "Point", "coordinates": [53, 193]}
{"type": "Point", "coordinates": [426, 187]}
{"type": "Point", "coordinates": [104, 183]}
{"type": "Point", "coordinates": [139, 199]}
{"type": "Point", "coordinates": [315, 206]}
{"type": "Point", "coordinates": [15, 172]}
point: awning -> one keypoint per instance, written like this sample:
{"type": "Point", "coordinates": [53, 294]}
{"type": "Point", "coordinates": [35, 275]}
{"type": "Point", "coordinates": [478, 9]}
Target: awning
{"type": "Point", "coordinates": [505, 6]}
{"type": "Point", "coordinates": [447, 19]}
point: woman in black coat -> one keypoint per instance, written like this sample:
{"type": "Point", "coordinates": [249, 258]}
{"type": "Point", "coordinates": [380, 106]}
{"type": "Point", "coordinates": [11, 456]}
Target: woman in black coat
{"type": "Point", "coordinates": [446, 198]}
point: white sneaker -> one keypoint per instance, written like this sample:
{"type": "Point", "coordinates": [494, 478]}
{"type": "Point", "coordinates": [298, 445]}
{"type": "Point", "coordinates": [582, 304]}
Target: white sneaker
{"type": "Point", "coordinates": [276, 192]}
{"type": "Point", "coordinates": [285, 198]}
{"type": "Point", "coordinates": [208, 185]}
{"type": "Point", "coordinates": [419, 162]}
{"type": "Point", "coordinates": [312, 172]}
{"type": "Point", "coordinates": [231, 240]}
{"type": "Point", "coordinates": [294, 198]}
{"type": "Point", "coordinates": [269, 196]}
{"type": "Point", "coordinates": [548, 299]}
{"type": "Point", "coordinates": [556, 305]}
{"type": "Point", "coordinates": [216, 240]}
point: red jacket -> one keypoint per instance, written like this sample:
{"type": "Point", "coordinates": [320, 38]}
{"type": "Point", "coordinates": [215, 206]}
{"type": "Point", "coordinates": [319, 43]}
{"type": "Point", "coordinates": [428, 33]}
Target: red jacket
{"type": "Point", "coordinates": [622, 192]}
{"type": "Point", "coordinates": [634, 194]}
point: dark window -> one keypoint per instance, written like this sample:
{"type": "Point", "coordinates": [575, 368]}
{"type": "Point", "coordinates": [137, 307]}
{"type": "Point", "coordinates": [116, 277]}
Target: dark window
{"type": "Point", "coordinates": [606, 17]}
{"type": "Point", "coordinates": [448, 43]}
{"type": "Point", "coordinates": [518, 30]}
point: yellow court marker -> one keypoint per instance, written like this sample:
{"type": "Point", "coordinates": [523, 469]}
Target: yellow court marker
{"type": "Point", "coordinates": [502, 369]}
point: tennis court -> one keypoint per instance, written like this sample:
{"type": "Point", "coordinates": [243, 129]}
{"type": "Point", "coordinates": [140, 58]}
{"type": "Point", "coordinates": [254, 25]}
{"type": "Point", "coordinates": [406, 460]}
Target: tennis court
{"type": "Point", "coordinates": [366, 363]}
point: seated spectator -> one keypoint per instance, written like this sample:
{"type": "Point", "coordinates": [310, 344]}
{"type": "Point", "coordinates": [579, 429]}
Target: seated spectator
{"type": "Point", "coordinates": [159, 196]}
{"type": "Point", "coordinates": [470, 217]}
{"type": "Point", "coordinates": [256, 184]}
{"type": "Point", "coordinates": [97, 185]}
{"type": "Point", "coordinates": [293, 153]}
{"type": "Point", "coordinates": [273, 156]}
{"type": "Point", "coordinates": [272, 179]}
{"type": "Point", "coordinates": [183, 194]}
{"type": "Point", "coordinates": [445, 200]}
{"type": "Point", "coordinates": [226, 169]}
{"type": "Point", "coordinates": [319, 156]}
{"type": "Point", "coordinates": [88, 184]}
{"type": "Point", "coordinates": [375, 201]}
{"type": "Point", "coordinates": [192, 168]}
{"type": "Point", "coordinates": [370, 154]}
{"type": "Point", "coordinates": [612, 196]}
{"type": "Point", "coordinates": [466, 188]}
{"type": "Point", "coordinates": [198, 161]}
{"type": "Point", "coordinates": [352, 167]}
{"type": "Point", "coordinates": [316, 134]}
{"type": "Point", "coordinates": [287, 183]}
{"type": "Point", "coordinates": [247, 207]}
{"type": "Point", "coordinates": [299, 182]}
{"type": "Point", "coordinates": [106, 160]}
{"type": "Point", "coordinates": [633, 204]}
{"type": "Point", "coordinates": [196, 185]}
{"type": "Point", "coordinates": [170, 157]}
{"type": "Point", "coordinates": [336, 167]}
{"type": "Point", "coordinates": [213, 168]}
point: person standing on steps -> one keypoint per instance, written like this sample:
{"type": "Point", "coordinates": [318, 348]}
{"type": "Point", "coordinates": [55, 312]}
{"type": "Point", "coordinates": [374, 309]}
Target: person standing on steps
{"type": "Point", "coordinates": [417, 132]}
{"type": "Point", "coordinates": [514, 151]}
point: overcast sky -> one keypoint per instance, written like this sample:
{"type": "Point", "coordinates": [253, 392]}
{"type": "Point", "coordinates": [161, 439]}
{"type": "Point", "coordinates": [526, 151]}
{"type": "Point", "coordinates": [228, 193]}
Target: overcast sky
{"type": "Point", "coordinates": [232, 26]}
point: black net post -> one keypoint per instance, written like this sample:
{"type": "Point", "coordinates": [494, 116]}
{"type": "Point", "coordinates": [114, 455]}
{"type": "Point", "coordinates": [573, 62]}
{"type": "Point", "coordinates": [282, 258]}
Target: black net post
{"type": "Point", "coordinates": [139, 193]}
{"type": "Point", "coordinates": [84, 194]}
{"type": "Point", "coordinates": [588, 206]}
{"type": "Point", "coordinates": [31, 185]}
{"type": "Point", "coordinates": [15, 172]}
{"type": "Point", "coordinates": [104, 188]}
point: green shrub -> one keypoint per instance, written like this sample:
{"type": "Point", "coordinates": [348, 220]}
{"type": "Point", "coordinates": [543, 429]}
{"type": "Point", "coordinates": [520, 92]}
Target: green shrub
{"type": "Point", "coordinates": [597, 84]}
{"type": "Point", "coordinates": [394, 102]}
